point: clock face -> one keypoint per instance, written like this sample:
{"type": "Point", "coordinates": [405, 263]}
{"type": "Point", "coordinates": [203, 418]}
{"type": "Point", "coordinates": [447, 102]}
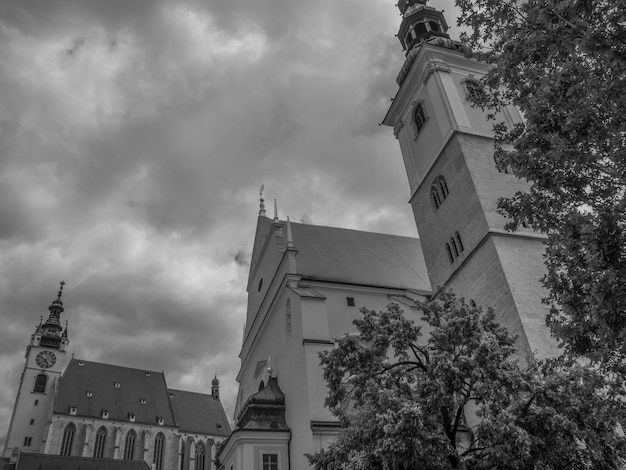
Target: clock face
{"type": "Point", "coordinates": [45, 359]}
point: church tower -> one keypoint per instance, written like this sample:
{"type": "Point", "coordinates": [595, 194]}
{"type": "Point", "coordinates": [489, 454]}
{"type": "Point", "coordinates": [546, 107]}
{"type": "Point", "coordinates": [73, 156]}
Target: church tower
{"type": "Point", "coordinates": [447, 146]}
{"type": "Point", "coordinates": [45, 355]}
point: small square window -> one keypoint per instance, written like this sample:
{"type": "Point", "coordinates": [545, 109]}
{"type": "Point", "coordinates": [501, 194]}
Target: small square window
{"type": "Point", "coordinates": [73, 410]}
{"type": "Point", "coordinates": [270, 461]}
{"type": "Point", "coordinates": [350, 301]}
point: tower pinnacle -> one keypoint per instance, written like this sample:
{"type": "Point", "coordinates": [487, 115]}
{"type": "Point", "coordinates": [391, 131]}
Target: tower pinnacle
{"type": "Point", "coordinates": [51, 328]}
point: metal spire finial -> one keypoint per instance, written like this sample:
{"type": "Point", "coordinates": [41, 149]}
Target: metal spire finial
{"type": "Point", "coordinates": [261, 201]}
{"type": "Point", "coordinates": [62, 283]}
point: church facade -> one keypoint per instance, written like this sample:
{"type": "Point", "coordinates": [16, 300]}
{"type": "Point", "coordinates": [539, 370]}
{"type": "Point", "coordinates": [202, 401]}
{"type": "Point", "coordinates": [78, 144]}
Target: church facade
{"type": "Point", "coordinates": [89, 413]}
{"type": "Point", "coordinates": [307, 282]}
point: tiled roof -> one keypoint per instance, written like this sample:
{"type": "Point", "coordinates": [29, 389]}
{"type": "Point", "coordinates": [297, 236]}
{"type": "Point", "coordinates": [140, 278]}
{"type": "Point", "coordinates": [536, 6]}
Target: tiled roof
{"type": "Point", "coordinates": [135, 386]}
{"type": "Point", "coordinates": [199, 413]}
{"type": "Point", "coordinates": [357, 257]}
{"type": "Point", "coordinates": [32, 461]}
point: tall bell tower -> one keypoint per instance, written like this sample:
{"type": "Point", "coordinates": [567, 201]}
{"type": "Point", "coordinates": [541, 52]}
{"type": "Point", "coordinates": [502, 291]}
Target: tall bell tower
{"type": "Point", "coordinates": [45, 356]}
{"type": "Point", "coordinates": [447, 146]}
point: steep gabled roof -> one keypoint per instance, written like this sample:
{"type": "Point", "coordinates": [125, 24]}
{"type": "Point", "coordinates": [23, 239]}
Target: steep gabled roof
{"type": "Point", "coordinates": [135, 385]}
{"type": "Point", "coordinates": [199, 413]}
{"type": "Point", "coordinates": [357, 257]}
{"type": "Point", "coordinates": [33, 461]}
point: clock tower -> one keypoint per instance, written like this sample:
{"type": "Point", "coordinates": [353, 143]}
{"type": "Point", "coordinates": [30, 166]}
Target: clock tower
{"type": "Point", "coordinates": [448, 151]}
{"type": "Point", "coordinates": [45, 355]}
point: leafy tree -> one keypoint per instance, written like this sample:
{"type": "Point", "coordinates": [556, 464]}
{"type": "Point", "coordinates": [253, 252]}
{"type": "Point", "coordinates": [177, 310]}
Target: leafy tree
{"type": "Point", "coordinates": [402, 399]}
{"type": "Point", "coordinates": [563, 64]}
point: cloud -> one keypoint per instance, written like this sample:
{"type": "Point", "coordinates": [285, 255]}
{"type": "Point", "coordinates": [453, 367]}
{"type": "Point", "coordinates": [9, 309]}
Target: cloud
{"type": "Point", "coordinates": [134, 136]}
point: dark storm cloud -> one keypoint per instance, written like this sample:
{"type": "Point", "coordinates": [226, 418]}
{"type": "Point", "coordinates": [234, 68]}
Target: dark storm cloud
{"type": "Point", "coordinates": [134, 137]}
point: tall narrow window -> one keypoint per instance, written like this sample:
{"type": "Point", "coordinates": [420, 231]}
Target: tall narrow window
{"type": "Point", "coordinates": [183, 452]}
{"type": "Point", "coordinates": [40, 383]}
{"type": "Point", "coordinates": [270, 461]}
{"type": "Point", "coordinates": [474, 90]}
{"type": "Point", "coordinates": [455, 249]}
{"type": "Point", "coordinates": [435, 196]}
{"type": "Point", "coordinates": [68, 439]}
{"type": "Point", "coordinates": [200, 457]}
{"type": "Point", "coordinates": [157, 457]}
{"type": "Point", "coordinates": [439, 191]}
{"type": "Point", "coordinates": [443, 186]}
{"type": "Point", "coordinates": [419, 117]}
{"type": "Point", "coordinates": [101, 437]}
{"type": "Point", "coordinates": [459, 242]}
{"type": "Point", "coordinates": [502, 168]}
{"type": "Point", "coordinates": [129, 445]}
{"type": "Point", "coordinates": [449, 250]}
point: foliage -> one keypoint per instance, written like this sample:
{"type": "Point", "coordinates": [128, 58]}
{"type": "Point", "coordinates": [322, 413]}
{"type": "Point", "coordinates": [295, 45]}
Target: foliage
{"type": "Point", "coordinates": [402, 399]}
{"type": "Point", "coordinates": [563, 64]}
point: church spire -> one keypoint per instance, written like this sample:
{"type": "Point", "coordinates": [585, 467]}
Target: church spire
{"type": "Point", "coordinates": [51, 328]}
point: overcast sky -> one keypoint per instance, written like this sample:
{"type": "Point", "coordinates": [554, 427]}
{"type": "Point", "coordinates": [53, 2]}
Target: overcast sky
{"type": "Point", "coordinates": [134, 138]}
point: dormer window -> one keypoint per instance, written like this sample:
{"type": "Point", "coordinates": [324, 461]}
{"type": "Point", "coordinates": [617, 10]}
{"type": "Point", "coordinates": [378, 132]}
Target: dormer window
{"type": "Point", "coordinates": [105, 414]}
{"type": "Point", "coordinates": [147, 374]}
{"type": "Point", "coordinates": [116, 384]}
{"type": "Point", "coordinates": [73, 410]}
{"type": "Point", "coordinates": [81, 364]}
{"type": "Point", "coordinates": [160, 420]}
{"type": "Point", "coordinates": [131, 417]}
{"type": "Point", "coordinates": [142, 401]}
{"type": "Point", "coordinates": [89, 394]}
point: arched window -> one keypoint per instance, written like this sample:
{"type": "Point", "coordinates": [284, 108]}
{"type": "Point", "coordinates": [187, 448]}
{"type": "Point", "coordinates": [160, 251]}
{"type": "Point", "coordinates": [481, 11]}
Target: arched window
{"type": "Point", "coordinates": [434, 26]}
{"type": "Point", "coordinates": [40, 383]}
{"type": "Point", "coordinates": [420, 29]}
{"type": "Point", "coordinates": [449, 250]}
{"type": "Point", "coordinates": [68, 439]}
{"type": "Point", "coordinates": [435, 197]}
{"type": "Point", "coordinates": [439, 191]}
{"type": "Point", "coordinates": [129, 446]}
{"type": "Point", "coordinates": [98, 448]}
{"type": "Point", "coordinates": [419, 117]}
{"type": "Point", "coordinates": [443, 186]}
{"type": "Point", "coordinates": [502, 168]}
{"type": "Point", "coordinates": [183, 451]}
{"type": "Point", "coordinates": [455, 249]}
{"type": "Point", "coordinates": [157, 457]}
{"type": "Point", "coordinates": [473, 88]}
{"type": "Point", "coordinates": [459, 242]}
{"type": "Point", "coordinates": [200, 456]}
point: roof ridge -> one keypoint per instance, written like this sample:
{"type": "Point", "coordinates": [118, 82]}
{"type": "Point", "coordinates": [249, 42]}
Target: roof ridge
{"type": "Point", "coordinates": [116, 366]}
{"type": "Point", "coordinates": [350, 230]}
